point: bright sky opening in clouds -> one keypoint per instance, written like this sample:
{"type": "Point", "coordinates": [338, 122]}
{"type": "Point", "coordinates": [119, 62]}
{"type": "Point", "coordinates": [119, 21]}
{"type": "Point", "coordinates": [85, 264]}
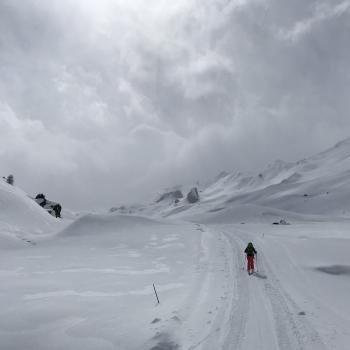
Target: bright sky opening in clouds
{"type": "Point", "coordinates": [140, 95]}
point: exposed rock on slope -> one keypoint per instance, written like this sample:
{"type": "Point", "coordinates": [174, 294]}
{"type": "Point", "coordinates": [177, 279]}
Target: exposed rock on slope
{"type": "Point", "coordinates": [193, 195]}
{"type": "Point", "coordinates": [51, 207]}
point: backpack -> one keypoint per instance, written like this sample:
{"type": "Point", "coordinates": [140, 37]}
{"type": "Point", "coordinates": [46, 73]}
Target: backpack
{"type": "Point", "coordinates": [250, 250]}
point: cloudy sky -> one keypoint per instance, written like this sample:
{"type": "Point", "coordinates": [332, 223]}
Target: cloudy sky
{"type": "Point", "coordinates": [107, 101]}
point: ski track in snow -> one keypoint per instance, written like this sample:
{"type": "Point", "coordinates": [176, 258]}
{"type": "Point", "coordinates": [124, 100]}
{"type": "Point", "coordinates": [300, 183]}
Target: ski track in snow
{"type": "Point", "coordinates": [201, 322]}
{"type": "Point", "coordinates": [222, 307]}
{"type": "Point", "coordinates": [259, 305]}
{"type": "Point", "coordinates": [245, 312]}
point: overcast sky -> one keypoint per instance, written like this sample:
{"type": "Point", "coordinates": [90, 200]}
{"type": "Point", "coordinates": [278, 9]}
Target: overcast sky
{"type": "Point", "coordinates": [108, 101]}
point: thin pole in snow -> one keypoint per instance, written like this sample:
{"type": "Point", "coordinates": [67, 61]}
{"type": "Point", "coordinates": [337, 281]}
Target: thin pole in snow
{"type": "Point", "coordinates": [155, 292]}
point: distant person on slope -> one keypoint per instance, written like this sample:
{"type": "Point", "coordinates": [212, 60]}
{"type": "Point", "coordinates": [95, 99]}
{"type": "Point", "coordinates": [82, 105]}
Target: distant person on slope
{"type": "Point", "coordinates": [250, 252]}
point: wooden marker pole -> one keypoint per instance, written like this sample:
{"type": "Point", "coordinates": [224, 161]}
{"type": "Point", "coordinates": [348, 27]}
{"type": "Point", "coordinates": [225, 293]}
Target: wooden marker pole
{"type": "Point", "coordinates": [155, 292]}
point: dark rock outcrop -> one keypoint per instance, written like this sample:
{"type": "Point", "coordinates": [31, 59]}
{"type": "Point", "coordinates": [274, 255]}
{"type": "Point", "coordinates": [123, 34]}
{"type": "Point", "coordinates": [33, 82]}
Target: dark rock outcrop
{"type": "Point", "coordinates": [193, 195]}
{"type": "Point", "coordinates": [41, 200]}
{"type": "Point", "coordinates": [52, 208]}
{"type": "Point", "coordinates": [281, 222]}
{"type": "Point", "coordinates": [10, 180]}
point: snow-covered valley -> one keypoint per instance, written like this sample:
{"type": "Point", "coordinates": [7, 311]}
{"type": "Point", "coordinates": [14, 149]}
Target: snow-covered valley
{"type": "Point", "coordinates": [88, 283]}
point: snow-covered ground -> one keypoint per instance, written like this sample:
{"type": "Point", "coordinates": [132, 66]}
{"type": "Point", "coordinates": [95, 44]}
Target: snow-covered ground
{"type": "Point", "coordinates": [88, 283]}
{"type": "Point", "coordinates": [298, 299]}
{"type": "Point", "coordinates": [90, 286]}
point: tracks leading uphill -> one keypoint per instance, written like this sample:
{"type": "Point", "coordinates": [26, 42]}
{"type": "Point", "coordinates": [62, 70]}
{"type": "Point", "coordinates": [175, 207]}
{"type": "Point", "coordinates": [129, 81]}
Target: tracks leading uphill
{"type": "Point", "coordinates": [263, 315]}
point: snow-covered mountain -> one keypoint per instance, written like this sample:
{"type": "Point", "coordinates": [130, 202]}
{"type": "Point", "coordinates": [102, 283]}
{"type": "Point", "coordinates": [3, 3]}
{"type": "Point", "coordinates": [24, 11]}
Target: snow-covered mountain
{"type": "Point", "coordinates": [90, 283]}
{"type": "Point", "coordinates": [317, 186]}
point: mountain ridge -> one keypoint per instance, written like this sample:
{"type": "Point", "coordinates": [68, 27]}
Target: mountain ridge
{"type": "Point", "coordinates": [317, 185]}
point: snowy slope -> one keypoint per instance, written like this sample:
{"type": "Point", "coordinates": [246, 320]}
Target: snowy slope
{"type": "Point", "coordinates": [319, 185]}
{"type": "Point", "coordinates": [316, 186]}
{"type": "Point", "coordinates": [21, 218]}
{"type": "Point", "coordinates": [89, 284]}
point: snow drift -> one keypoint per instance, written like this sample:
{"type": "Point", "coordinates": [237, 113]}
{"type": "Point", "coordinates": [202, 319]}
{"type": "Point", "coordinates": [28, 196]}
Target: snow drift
{"type": "Point", "coordinates": [22, 218]}
{"type": "Point", "coordinates": [98, 224]}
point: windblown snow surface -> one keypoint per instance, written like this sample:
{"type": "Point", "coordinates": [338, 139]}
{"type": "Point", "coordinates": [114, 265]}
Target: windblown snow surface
{"type": "Point", "coordinates": [88, 284]}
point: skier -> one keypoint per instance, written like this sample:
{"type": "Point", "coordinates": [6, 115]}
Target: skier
{"type": "Point", "coordinates": [250, 252]}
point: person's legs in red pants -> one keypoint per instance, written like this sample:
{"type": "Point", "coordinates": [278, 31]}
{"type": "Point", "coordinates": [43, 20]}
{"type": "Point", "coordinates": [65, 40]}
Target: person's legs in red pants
{"type": "Point", "coordinates": [250, 264]}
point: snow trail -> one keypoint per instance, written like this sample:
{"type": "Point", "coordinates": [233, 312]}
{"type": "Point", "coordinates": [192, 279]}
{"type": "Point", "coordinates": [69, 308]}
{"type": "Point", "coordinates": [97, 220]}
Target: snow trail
{"type": "Point", "coordinates": [263, 315]}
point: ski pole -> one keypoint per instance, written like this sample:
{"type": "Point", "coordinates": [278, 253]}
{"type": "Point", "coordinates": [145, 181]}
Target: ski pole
{"type": "Point", "coordinates": [256, 262]}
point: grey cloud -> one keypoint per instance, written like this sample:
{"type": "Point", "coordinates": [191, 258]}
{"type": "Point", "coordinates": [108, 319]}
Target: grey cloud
{"type": "Point", "coordinates": [103, 102]}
